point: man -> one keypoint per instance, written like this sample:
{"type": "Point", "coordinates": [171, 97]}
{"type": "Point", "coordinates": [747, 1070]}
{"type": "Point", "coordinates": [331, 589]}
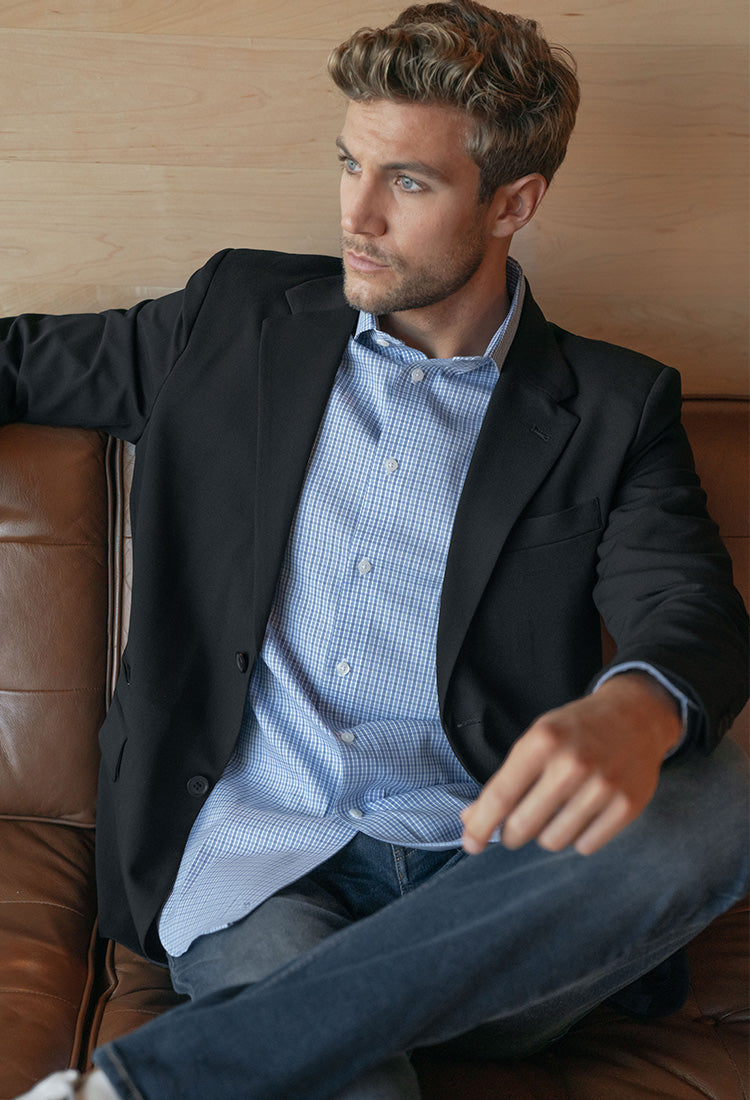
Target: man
{"type": "Point", "coordinates": [373, 535]}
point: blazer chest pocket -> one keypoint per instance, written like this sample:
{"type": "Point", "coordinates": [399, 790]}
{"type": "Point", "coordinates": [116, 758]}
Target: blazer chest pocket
{"type": "Point", "coordinates": [580, 519]}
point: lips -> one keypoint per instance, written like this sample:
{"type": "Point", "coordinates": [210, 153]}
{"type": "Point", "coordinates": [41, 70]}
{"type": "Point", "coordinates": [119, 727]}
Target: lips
{"type": "Point", "coordinates": [364, 264]}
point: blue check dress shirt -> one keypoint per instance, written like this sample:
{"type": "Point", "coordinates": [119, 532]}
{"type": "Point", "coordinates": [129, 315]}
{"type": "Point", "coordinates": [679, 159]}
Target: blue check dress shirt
{"type": "Point", "coordinates": [341, 730]}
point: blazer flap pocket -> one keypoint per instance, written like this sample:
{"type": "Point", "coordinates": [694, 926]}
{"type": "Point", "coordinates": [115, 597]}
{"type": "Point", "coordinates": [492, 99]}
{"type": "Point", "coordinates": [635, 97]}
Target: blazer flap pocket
{"type": "Point", "coordinates": [577, 520]}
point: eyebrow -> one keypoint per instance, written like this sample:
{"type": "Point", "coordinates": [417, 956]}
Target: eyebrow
{"type": "Point", "coordinates": [418, 167]}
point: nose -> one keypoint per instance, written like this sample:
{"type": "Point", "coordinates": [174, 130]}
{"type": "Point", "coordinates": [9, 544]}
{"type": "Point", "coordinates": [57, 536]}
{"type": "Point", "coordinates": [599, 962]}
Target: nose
{"type": "Point", "coordinates": [362, 210]}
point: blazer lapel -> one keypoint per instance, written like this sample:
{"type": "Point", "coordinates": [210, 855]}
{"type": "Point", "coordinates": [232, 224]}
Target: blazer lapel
{"type": "Point", "coordinates": [524, 431]}
{"type": "Point", "coordinates": [299, 356]}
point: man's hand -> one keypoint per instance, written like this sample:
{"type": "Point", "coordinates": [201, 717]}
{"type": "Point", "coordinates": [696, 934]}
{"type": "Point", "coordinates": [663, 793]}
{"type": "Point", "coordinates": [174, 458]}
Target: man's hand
{"type": "Point", "coordinates": [580, 773]}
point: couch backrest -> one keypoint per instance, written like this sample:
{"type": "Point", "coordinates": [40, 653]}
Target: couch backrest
{"type": "Point", "coordinates": [54, 576]}
{"type": "Point", "coordinates": [65, 594]}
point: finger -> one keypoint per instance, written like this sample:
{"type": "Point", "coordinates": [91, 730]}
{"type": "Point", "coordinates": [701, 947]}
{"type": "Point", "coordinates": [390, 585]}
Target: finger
{"type": "Point", "coordinates": [606, 826]}
{"type": "Point", "coordinates": [502, 793]}
{"type": "Point", "coordinates": [577, 814]}
{"type": "Point", "coordinates": [557, 788]}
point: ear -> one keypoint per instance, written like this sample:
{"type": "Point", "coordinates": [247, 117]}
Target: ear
{"type": "Point", "coordinates": [514, 204]}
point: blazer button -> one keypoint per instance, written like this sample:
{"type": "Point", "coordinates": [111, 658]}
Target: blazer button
{"type": "Point", "coordinates": [198, 786]}
{"type": "Point", "coordinates": [242, 661]}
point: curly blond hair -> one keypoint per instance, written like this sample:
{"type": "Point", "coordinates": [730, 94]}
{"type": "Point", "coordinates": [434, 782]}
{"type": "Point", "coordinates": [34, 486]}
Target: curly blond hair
{"type": "Point", "coordinates": [520, 93]}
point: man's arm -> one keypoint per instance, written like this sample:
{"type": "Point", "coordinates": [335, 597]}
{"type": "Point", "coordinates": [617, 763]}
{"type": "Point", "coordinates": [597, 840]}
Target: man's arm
{"type": "Point", "coordinates": [582, 772]}
{"type": "Point", "coordinates": [97, 370]}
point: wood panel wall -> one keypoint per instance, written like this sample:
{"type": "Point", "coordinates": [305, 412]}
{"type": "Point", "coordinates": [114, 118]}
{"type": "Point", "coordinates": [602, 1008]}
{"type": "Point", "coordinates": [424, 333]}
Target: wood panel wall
{"type": "Point", "coordinates": [137, 137]}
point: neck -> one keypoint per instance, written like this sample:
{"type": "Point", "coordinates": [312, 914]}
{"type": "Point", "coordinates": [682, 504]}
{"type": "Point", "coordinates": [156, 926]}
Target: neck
{"type": "Point", "coordinates": [465, 321]}
{"type": "Point", "coordinates": [442, 332]}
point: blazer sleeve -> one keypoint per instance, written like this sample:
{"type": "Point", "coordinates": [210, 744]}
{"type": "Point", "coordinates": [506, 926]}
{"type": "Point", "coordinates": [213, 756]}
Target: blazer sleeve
{"type": "Point", "coordinates": [102, 370]}
{"type": "Point", "coordinates": [664, 586]}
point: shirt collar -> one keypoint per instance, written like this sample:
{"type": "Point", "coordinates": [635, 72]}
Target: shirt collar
{"type": "Point", "coordinates": [499, 345]}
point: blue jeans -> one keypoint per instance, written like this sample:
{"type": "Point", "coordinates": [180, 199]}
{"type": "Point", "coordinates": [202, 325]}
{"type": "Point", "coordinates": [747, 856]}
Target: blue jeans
{"type": "Point", "coordinates": [432, 946]}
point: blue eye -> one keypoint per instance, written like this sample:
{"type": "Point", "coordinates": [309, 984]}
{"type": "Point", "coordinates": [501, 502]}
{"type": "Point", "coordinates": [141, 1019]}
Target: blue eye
{"type": "Point", "coordinates": [406, 183]}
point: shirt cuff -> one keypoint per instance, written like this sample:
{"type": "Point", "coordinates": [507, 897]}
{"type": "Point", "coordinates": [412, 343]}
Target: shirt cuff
{"type": "Point", "coordinates": [680, 698]}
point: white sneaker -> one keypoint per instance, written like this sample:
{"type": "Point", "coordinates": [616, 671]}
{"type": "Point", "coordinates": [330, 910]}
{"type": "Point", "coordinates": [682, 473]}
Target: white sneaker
{"type": "Point", "coordinates": [58, 1086]}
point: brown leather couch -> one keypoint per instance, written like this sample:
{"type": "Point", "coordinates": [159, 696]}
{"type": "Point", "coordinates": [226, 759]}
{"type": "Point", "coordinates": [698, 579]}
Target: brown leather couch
{"type": "Point", "coordinates": [64, 594]}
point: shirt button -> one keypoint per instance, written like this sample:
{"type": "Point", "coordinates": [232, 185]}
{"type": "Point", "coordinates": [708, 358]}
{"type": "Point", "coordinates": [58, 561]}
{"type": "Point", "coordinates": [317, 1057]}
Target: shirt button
{"type": "Point", "coordinates": [391, 465]}
{"type": "Point", "coordinates": [417, 375]}
{"type": "Point", "coordinates": [356, 813]}
{"type": "Point", "coordinates": [364, 566]}
{"type": "Point", "coordinates": [343, 668]}
{"type": "Point", "coordinates": [382, 340]}
{"type": "Point", "coordinates": [198, 786]}
{"type": "Point", "coordinates": [348, 737]}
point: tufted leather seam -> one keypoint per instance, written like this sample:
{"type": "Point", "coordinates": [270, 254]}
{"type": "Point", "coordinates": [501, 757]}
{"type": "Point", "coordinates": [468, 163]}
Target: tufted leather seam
{"type": "Point", "coordinates": [63, 822]}
{"type": "Point", "coordinates": [50, 691]}
{"type": "Point", "coordinates": [39, 993]}
{"type": "Point", "coordinates": [46, 905]}
{"type": "Point", "coordinates": [689, 1080]}
{"type": "Point", "coordinates": [9, 541]}
{"type": "Point", "coordinates": [134, 1012]}
{"type": "Point", "coordinates": [717, 1031]}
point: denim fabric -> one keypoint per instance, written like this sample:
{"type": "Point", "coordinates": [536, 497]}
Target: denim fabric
{"type": "Point", "coordinates": [358, 880]}
{"type": "Point", "coordinates": [529, 940]}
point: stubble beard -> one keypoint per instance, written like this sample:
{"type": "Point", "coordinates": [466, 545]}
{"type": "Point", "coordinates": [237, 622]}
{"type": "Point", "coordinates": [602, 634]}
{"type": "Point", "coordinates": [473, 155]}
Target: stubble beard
{"type": "Point", "coordinates": [415, 288]}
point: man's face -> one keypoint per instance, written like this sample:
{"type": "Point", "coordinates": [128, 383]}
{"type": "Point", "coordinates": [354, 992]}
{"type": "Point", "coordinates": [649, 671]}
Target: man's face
{"type": "Point", "coordinates": [414, 234]}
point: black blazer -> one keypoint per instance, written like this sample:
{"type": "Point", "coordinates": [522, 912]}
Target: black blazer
{"type": "Point", "coordinates": [581, 500]}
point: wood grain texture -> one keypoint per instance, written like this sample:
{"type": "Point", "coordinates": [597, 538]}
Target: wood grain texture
{"type": "Point", "coordinates": [140, 136]}
{"type": "Point", "coordinates": [632, 22]}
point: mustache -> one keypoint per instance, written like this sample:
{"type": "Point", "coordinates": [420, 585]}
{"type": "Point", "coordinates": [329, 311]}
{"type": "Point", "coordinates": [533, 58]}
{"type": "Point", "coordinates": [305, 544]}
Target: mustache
{"type": "Point", "coordinates": [363, 248]}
